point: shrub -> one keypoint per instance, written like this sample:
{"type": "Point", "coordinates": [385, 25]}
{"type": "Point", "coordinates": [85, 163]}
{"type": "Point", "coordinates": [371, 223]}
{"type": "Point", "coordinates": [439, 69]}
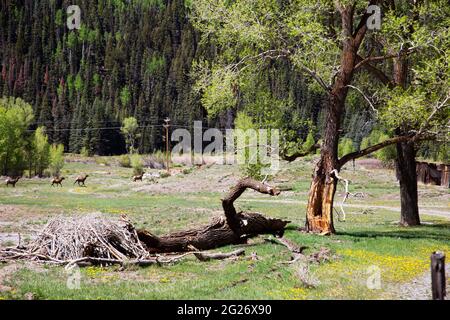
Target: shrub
{"type": "Point", "coordinates": [56, 159]}
{"type": "Point", "coordinates": [387, 154]}
{"type": "Point", "coordinates": [164, 174]}
{"type": "Point", "coordinates": [42, 151]}
{"type": "Point", "coordinates": [137, 164]}
{"type": "Point", "coordinates": [102, 161]}
{"type": "Point", "coordinates": [124, 161]}
{"type": "Point", "coordinates": [250, 166]}
{"type": "Point", "coordinates": [345, 147]}
{"type": "Point", "coordinates": [155, 160]}
{"type": "Point", "coordinates": [84, 152]}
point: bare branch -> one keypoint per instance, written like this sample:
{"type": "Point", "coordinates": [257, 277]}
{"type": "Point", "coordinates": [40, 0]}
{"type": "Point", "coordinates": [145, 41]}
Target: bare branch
{"type": "Point", "coordinates": [371, 149]}
{"type": "Point", "coordinates": [365, 97]}
{"type": "Point", "coordinates": [380, 75]}
{"type": "Point", "coordinates": [300, 154]}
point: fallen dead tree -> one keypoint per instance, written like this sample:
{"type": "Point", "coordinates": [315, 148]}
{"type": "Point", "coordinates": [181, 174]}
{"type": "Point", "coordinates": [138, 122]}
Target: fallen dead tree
{"type": "Point", "coordinates": [96, 240]}
{"type": "Point", "coordinates": [234, 228]}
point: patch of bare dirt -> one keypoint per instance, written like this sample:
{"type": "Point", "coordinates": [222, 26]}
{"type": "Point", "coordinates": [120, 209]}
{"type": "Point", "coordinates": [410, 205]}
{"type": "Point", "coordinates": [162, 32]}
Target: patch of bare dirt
{"type": "Point", "coordinates": [216, 178]}
{"type": "Point", "coordinates": [10, 211]}
{"type": "Point", "coordinates": [418, 289]}
{"type": "Point", "coordinates": [369, 163]}
{"type": "Point", "coordinates": [15, 220]}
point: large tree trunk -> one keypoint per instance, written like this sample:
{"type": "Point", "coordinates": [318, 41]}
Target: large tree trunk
{"type": "Point", "coordinates": [407, 177]}
{"type": "Point", "coordinates": [234, 228]}
{"type": "Point", "coordinates": [319, 212]}
{"type": "Point", "coordinates": [406, 159]}
{"type": "Point", "coordinates": [319, 215]}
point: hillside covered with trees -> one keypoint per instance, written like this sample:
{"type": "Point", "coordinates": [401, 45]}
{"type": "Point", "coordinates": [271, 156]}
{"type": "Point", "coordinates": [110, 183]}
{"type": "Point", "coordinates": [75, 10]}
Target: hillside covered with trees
{"type": "Point", "coordinates": [135, 58]}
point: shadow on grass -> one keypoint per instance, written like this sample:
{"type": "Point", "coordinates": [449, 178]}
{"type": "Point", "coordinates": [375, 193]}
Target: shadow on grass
{"type": "Point", "coordinates": [438, 232]}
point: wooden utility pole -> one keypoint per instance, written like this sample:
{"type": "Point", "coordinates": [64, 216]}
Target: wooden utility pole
{"type": "Point", "coordinates": [167, 126]}
{"type": "Point", "coordinates": [438, 275]}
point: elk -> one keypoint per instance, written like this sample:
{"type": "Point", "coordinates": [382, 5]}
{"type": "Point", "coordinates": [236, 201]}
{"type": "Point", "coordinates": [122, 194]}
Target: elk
{"type": "Point", "coordinates": [138, 177]}
{"type": "Point", "coordinates": [81, 179]}
{"type": "Point", "coordinates": [12, 181]}
{"type": "Point", "coordinates": [57, 181]}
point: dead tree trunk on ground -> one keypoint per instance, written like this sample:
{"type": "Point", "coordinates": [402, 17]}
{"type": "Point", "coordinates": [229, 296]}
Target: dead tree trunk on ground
{"type": "Point", "coordinates": [234, 228]}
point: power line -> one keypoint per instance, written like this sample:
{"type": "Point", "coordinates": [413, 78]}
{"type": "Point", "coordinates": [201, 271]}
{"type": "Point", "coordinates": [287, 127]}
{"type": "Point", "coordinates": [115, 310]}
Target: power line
{"type": "Point", "coordinates": [118, 128]}
{"type": "Point", "coordinates": [91, 128]}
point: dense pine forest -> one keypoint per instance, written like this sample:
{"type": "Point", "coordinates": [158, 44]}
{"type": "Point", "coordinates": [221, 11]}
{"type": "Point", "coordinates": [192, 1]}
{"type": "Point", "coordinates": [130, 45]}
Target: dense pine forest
{"type": "Point", "coordinates": [130, 58]}
{"type": "Point", "coordinates": [127, 59]}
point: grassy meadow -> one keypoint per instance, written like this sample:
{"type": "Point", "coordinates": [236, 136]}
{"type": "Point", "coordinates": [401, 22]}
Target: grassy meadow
{"type": "Point", "coordinates": [370, 238]}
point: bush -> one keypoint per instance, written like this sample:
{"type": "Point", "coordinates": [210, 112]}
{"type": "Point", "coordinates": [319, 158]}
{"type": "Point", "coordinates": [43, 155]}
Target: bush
{"type": "Point", "coordinates": [102, 161]}
{"type": "Point", "coordinates": [345, 147]}
{"type": "Point", "coordinates": [84, 152]}
{"type": "Point", "coordinates": [137, 164]}
{"type": "Point", "coordinates": [56, 159]}
{"type": "Point", "coordinates": [387, 154]}
{"type": "Point", "coordinates": [164, 174]}
{"type": "Point", "coordinates": [42, 151]}
{"type": "Point", "coordinates": [249, 167]}
{"type": "Point", "coordinates": [187, 170]}
{"type": "Point", "coordinates": [124, 161]}
{"type": "Point", "coordinates": [309, 142]}
{"type": "Point", "coordinates": [156, 160]}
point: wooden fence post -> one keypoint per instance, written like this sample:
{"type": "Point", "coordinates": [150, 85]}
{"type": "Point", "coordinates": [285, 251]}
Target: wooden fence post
{"type": "Point", "coordinates": [438, 275]}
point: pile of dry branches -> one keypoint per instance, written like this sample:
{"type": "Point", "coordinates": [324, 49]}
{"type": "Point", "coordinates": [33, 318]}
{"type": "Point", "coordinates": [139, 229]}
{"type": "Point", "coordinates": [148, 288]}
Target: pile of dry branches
{"type": "Point", "coordinates": [93, 239]}
{"type": "Point", "coordinates": [72, 238]}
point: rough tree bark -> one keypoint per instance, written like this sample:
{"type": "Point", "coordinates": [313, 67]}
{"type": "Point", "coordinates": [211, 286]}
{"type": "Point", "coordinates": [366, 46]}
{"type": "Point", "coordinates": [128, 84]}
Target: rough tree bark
{"type": "Point", "coordinates": [234, 228]}
{"type": "Point", "coordinates": [319, 215]}
{"type": "Point", "coordinates": [406, 174]}
{"type": "Point", "coordinates": [405, 162]}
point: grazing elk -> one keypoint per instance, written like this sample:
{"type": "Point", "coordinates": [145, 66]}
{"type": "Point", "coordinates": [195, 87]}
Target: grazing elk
{"type": "Point", "coordinates": [57, 181]}
{"type": "Point", "coordinates": [81, 179]}
{"type": "Point", "coordinates": [12, 181]}
{"type": "Point", "coordinates": [138, 177]}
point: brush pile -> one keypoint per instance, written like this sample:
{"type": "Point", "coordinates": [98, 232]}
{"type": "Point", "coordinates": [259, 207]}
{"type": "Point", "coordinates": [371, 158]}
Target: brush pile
{"type": "Point", "coordinates": [93, 239]}
{"type": "Point", "coordinates": [73, 238]}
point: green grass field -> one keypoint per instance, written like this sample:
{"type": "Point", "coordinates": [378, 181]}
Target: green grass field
{"type": "Point", "coordinates": [369, 238]}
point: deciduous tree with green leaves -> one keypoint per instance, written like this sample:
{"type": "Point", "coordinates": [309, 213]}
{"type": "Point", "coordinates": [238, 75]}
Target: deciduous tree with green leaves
{"type": "Point", "coordinates": [42, 151]}
{"type": "Point", "coordinates": [129, 129]}
{"type": "Point", "coordinates": [412, 69]}
{"type": "Point", "coordinates": [56, 159]}
{"type": "Point", "coordinates": [327, 40]}
{"type": "Point", "coordinates": [15, 117]}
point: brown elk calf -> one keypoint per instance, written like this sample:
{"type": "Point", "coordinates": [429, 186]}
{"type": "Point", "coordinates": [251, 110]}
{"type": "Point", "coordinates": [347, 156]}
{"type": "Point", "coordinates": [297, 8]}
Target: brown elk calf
{"type": "Point", "coordinates": [138, 177]}
{"type": "Point", "coordinates": [81, 179]}
{"type": "Point", "coordinates": [57, 181]}
{"type": "Point", "coordinates": [12, 181]}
